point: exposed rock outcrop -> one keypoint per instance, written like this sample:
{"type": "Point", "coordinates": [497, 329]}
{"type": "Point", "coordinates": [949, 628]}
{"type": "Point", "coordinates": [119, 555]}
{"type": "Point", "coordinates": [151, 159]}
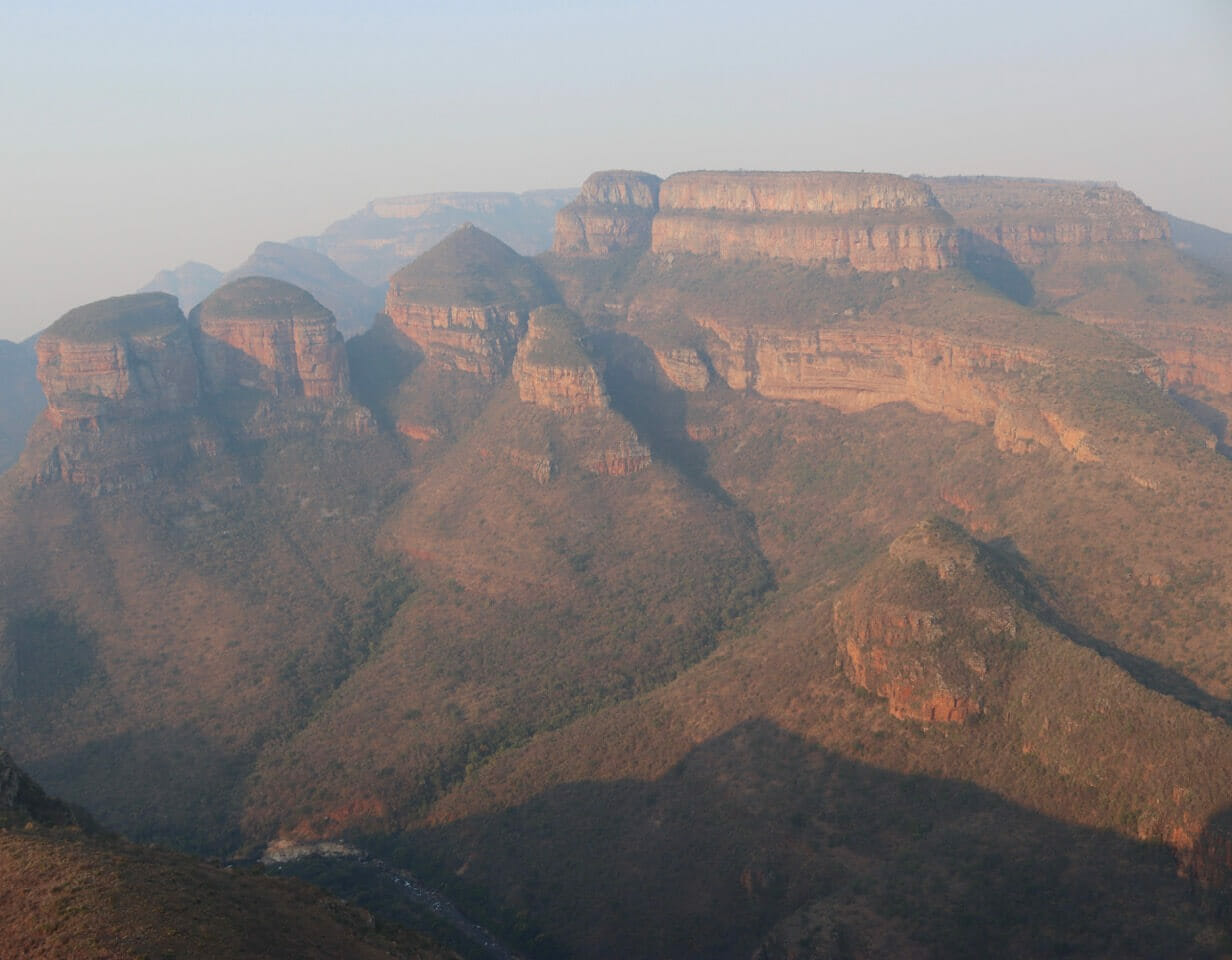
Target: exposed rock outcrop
{"type": "Point", "coordinates": [465, 302]}
{"type": "Point", "coordinates": [872, 222]}
{"type": "Point", "coordinates": [1029, 219]}
{"type": "Point", "coordinates": [931, 661]}
{"type": "Point", "coordinates": [123, 393]}
{"type": "Point", "coordinates": [554, 372]}
{"type": "Point", "coordinates": [613, 211]}
{"type": "Point", "coordinates": [352, 303]}
{"type": "Point", "coordinates": [268, 335]}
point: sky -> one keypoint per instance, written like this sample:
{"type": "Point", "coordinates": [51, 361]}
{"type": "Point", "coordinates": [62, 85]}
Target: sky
{"type": "Point", "coordinates": [136, 136]}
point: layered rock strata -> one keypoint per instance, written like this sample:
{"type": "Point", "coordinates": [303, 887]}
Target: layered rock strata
{"type": "Point", "coordinates": [268, 335]}
{"type": "Point", "coordinates": [930, 663]}
{"type": "Point", "coordinates": [613, 211]}
{"type": "Point", "coordinates": [465, 302]}
{"type": "Point", "coordinates": [1029, 219]}
{"type": "Point", "coordinates": [554, 372]}
{"type": "Point", "coordinates": [871, 222]}
{"type": "Point", "coordinates": [123, 394]}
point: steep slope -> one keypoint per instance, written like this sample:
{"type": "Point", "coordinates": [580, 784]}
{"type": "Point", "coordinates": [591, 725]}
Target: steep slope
{"type": "Point", "coordinates": [21, 398]}
{"type": "Point", "coordinates": [1205, 244]}
{"type": "Point", "coordinates": [374, 242]}
{"type": "Point", "coordinates": [75, 894]}
{"type": "Point", "coordinates": [613, 211]}
{"type": "Point", "coordinates": [352, 302]}
{"type": "Point", "coordinates": [190, 283]}
{"type": "Point", "coordinates": [465, 302]}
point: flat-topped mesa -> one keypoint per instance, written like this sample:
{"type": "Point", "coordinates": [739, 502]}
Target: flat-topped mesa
{"type": "Point", "coordinates": [1028, 218]}
{"type": "Point", "coordinates": [465, 302]}
{"type": "Point", "coordinates": [126, 357]}
{"type": "Point", "coordinates": [267, 335]}
{"type": "Point", "coordinates": [552, 368]}
{"type": "Point", "coordinates": [613, 211]}
{"type": "Point", "coordinates": [873, 222]}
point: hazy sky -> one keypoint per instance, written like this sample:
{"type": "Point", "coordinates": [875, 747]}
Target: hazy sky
{"type": "Point", "coordinates": [136, 136]}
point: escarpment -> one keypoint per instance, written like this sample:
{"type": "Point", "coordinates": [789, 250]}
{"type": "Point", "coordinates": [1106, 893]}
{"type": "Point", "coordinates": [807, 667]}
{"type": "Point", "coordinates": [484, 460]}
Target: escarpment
{"type": "Point", "coordinates": [613, 211]}
{"type": "Point", "coordinates": [870, 222]}
{"type": "Point", "coordinates": [465, 302]}
{"type": "Point", "coordinates": [1029, 219]}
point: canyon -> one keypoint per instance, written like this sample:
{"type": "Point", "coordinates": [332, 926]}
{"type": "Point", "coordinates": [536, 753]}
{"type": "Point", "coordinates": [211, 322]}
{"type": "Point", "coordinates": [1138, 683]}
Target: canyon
{"type": "Point", "coordinates": [788, 558]}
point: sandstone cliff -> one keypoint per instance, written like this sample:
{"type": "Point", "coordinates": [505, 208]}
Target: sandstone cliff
{"type": "Point", "coordinates": [871, 222]}
{"type": "Point", "coordinates": [554, 372]}
{"type": "Point", "coordinates": [612, 212]}
{"type": "Point", "coordinates": [268, 335]}
{"type": "Point", "coordinates": [123, 394]}
{"type": "Point", "coordinates": [930, 660]}
{"type": "Point", "coordinates": [1029, 219]}
{"type": "Point", "coordinates": [465, 302]}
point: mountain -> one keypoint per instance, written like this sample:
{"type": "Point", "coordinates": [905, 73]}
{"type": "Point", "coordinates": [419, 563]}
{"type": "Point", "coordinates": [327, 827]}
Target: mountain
{"type": "Point", "coordinates": [1205, 244]}
{"type": "Point", "coordinates": [74, 892]}
{"type": "Point", "coordinates": [786, 564]}
{"type": "Point", "coordinates": [386, 234]}
{"type": "Point", "coordinates": [21, 399]}
{"type": "Point", "coordinates": [190, 283]}
{"type": "Point", "coordinates": [353, 304]}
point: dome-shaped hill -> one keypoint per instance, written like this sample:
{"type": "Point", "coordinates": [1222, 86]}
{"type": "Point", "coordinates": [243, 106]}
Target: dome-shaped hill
{"type": "Point", "coordinates": [137, 314]}
{"type": "Point", "coordinates": [259, 298]}
{"type": "Point", "coordinates": [472, 268]}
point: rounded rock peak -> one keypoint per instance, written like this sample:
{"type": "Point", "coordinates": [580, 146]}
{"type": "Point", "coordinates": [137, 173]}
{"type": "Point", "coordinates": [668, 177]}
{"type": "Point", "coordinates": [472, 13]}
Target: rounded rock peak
{"type": "Point", "coordinates": [260, 298]}
{"type": "Point", "coordinates": [118, 318]}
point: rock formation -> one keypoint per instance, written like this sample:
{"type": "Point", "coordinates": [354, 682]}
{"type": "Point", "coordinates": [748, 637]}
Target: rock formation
{"type": "Point", "coordinates": [465, 302]}
{"type": "Point", "coordinates": [930, 660]}
{"type": "Point", "coordinates": [267, 335]}
{"type": "Point", "coordinates": [612, 212]}
{"type": "Point", "coordinates": [352, 303]}
{"type": "Point", "coordinates": [1029, 219]}
{"type": "Point", "coordinates": [873, 222]}
{"type": "Point", "coordinates": [384, 236]}
{"type": "Point", "coordinates": [554, 372]}
{"type": "Point", "coordinates": [123, 391]}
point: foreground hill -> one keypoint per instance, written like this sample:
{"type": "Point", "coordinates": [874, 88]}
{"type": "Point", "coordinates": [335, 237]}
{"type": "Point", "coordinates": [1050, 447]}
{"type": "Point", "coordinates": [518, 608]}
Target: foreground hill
{"type": "Point", "coordinates": [766, 571]}
{"type": "Point", "coordinates": [71, 892]}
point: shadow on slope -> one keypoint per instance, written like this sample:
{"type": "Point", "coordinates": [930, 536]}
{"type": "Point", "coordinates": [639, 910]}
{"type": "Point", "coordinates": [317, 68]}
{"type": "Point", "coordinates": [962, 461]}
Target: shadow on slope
{"type": "Point", "coordinates": [759, 844]}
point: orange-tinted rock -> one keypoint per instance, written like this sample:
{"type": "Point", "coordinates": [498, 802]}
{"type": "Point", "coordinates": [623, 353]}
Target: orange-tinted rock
{"type": "Point", "coordinates": [1028, 219]}
{"type": "Point", "coordinates": [268, 335]}
{"type": "Point", "coordinates": [873, 222]}
{"type": "Point", "coordinates": [552, 369]}
{"type": "Point", "coordinates": [931, 662]}
{"type": "Point", "coordinates": [612, 212]}
{"type": "Point", "coordinates": [466, 301]}
{"type": "Point", "coordinates": [123, 391]}
{"type": "Point", "coordinates": [124, 357]}
{"type": "Point", "coordinates": [685, 368]}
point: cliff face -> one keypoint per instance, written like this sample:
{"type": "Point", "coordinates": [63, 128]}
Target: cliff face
{"type": "Point", "coordinates": [612, 212]}
{"type": "Point", "coordinates": [465, 302]}
{"type": "Point", "coordinates": [554, 372]}
{"type": "Point", "coordinates": [872, 222]}
{"type": "Point", "coordinates": [931, 662]}
{"type": "Point", "coordinates": [126, 357]}
{"type": "Point", "coordinates": [123, 393]}
{"type": "Point", "coordinates": [857, 367]}
{"type": "Point", "coordinates": [268, 335]}
{"type": "Point", "coordinates": [1029, 219]}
